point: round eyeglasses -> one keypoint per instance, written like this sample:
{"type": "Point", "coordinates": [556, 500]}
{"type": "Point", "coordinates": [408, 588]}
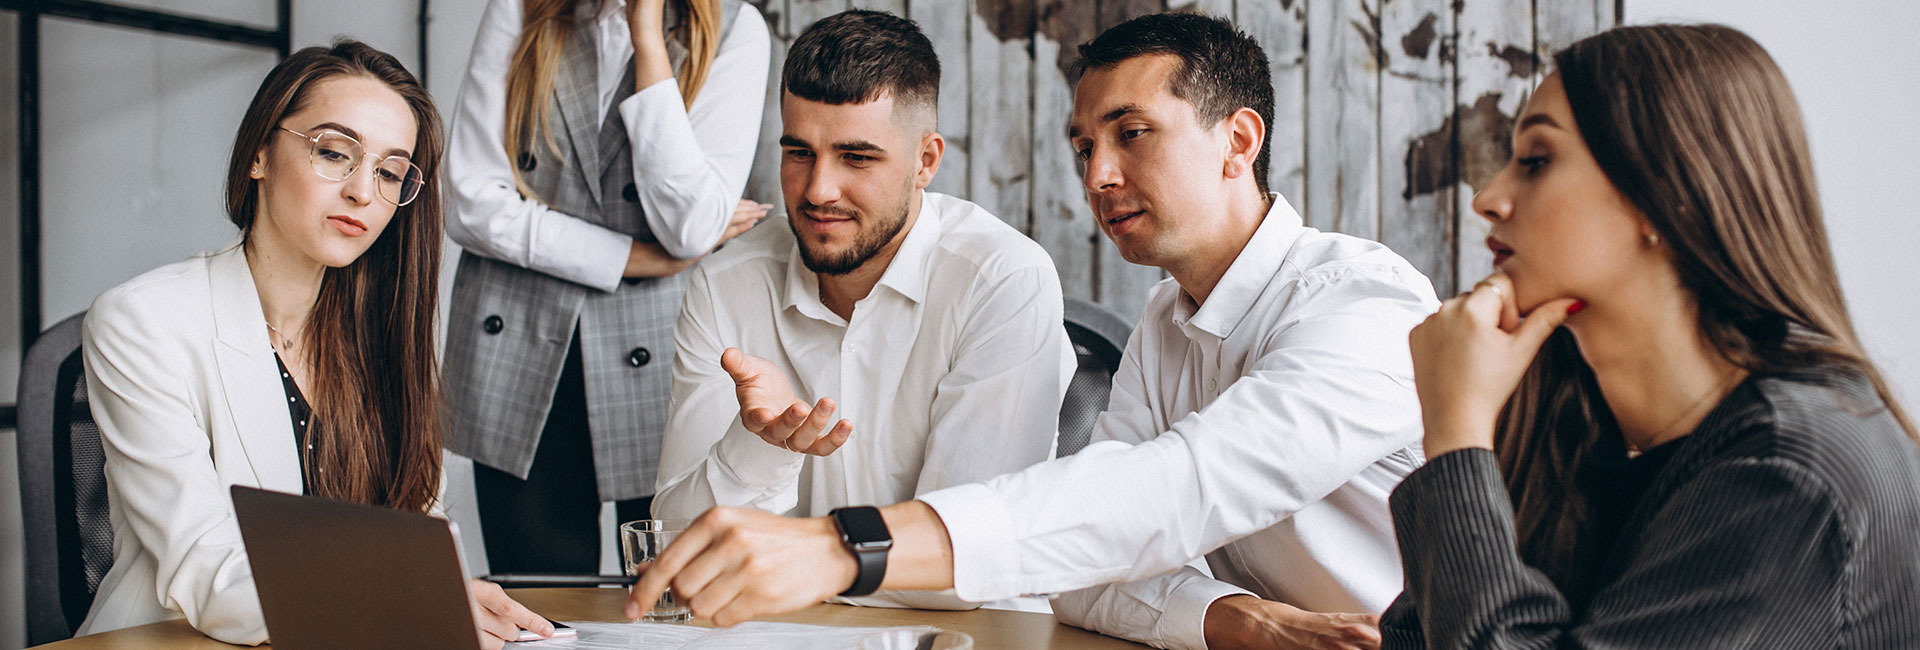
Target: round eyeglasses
{"type": "Point", "coordinates": [335, 156]}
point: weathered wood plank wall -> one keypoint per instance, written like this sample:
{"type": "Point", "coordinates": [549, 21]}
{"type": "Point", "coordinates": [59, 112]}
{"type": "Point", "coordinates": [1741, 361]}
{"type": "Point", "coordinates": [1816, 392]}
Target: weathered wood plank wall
{"type": "Point", "coordinates": [1388, 114]}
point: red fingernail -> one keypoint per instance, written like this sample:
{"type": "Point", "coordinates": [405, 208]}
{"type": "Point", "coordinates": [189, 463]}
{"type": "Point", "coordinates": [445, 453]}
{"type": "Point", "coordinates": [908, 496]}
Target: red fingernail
{"type": "Point", "coordinates": [1577, 306]}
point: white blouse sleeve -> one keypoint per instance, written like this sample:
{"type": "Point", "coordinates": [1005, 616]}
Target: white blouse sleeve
{"type": "Point", "coordinates": [488, 216]}
{"type": "Point", "coordinates": [690, 164]}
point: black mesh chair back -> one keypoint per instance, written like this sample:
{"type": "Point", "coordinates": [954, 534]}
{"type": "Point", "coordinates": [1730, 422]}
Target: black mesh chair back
{"type": "Point", "coordinates": [1098, 336]}
{"type": "Point", "coordinates": [63, 488]}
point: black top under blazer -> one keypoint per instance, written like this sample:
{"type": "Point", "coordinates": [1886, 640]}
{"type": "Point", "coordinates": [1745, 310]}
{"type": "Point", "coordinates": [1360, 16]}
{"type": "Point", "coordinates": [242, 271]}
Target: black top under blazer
{"type": "Point", "coordinates": [1789, 519]}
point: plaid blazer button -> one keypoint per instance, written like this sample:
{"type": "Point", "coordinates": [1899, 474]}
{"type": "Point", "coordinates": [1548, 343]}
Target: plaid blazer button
{"type": "Point", "coordinates": [639, 357]}
{"type": "Point", "coordinates": [527, 162]}
{"type": "Point", "coordinates": [494, 324]}
{"type": "Point", "coordinates": [630, 193]}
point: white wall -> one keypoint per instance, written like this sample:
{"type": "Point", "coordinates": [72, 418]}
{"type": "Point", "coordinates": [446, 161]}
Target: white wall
{"type": "Point", "coordinates": [1852, 66]}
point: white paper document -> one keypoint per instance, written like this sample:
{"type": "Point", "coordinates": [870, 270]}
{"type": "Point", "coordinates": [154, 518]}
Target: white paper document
{"type": "Point", "coordinates": [745, 636]}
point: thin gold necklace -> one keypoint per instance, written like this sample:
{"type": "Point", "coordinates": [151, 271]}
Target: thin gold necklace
{"type": "Point", "coordinates": [1634, 449]}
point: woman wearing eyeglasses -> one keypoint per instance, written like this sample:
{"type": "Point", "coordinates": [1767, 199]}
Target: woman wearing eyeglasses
{"type": "Point", "coordinates": [300, 359]}
{"type": "Point", "coordinates": [1654, 425]}
{"type": "Point", "coordinates": [599, 147]}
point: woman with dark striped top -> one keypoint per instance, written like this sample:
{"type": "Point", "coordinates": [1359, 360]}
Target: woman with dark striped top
{"type": "Point", "coordinates": [1654, 424]}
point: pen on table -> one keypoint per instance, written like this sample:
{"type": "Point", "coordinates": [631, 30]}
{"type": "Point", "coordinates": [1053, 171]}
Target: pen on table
{"type": "Point", "coordinates": [525, 580]}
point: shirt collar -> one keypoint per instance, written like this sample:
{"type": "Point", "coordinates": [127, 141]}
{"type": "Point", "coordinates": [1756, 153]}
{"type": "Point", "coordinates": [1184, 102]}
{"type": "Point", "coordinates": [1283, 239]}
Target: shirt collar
{"type": "Point", "coordinates": [906, 275]}
{"type": "Point", "coordinates": [1233, 297]}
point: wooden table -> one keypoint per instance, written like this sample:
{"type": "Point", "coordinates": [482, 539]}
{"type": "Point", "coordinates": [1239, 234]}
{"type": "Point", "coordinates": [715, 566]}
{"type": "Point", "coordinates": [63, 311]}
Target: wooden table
{"type": "Point", "coordinates": [991, 629]}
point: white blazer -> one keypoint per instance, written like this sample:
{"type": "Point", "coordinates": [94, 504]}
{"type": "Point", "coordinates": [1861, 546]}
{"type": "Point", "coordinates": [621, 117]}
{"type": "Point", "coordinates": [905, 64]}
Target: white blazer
{"type": "Point", "coordinates": [189, 400]}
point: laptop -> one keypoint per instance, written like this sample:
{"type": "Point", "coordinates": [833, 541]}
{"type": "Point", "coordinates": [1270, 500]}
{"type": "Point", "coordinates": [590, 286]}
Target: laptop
{"type": "Point", "coordinates": [332, 574]}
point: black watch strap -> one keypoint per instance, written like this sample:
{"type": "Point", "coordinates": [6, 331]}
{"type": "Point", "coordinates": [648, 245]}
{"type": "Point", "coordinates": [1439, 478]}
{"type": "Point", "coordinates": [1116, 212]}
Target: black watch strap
{"type": "Point", "coordinates": [865, 534]}
{"type": "Point", "coordinates": [873, 568]}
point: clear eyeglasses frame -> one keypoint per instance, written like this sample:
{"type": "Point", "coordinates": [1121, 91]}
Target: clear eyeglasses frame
{"type": "Point", "coordinates": [336, 156]}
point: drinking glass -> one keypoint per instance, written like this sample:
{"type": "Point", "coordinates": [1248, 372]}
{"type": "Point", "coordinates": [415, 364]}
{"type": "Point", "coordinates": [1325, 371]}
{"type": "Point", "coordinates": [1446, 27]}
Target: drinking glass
{"type": "Point", "coordinates": [640, 542]}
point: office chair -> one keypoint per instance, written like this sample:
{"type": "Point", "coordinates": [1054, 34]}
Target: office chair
{"type": "Point", "coordinates": [1098, 336]}
{"type": "Point", "coordinates": [63, 487]}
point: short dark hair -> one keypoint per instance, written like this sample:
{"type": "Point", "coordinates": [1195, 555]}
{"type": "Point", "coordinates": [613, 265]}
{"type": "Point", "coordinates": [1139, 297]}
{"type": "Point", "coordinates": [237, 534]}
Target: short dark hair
{"type": "Point", "coordinates": [1222, 70]}
{"type": "Point", "coordinates": [857, 56]}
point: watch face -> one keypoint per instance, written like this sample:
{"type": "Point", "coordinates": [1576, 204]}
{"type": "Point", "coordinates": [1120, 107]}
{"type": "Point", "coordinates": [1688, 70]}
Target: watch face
{"type": "Point", "coordinates": [862, 525]}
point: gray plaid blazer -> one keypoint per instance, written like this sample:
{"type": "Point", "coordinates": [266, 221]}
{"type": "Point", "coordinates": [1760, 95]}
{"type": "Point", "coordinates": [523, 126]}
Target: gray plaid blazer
{"type": "Point", "coordinates": [508, 328]}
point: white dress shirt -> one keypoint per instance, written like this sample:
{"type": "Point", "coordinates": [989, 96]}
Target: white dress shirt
{"type": "Point", "coordinates": [1263, 430]}
{"type": "Point", "coordinates": [951, 370]}
{"type": "Point", "coordinates": [689, 164]}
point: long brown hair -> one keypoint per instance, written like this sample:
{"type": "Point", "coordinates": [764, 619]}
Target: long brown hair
{"type": "Point", "coordinates": [375, 428]}
{"type": "Point", "coordinates": [543, 35]}
{"type": "Point", "coordinates": [1697, 126]}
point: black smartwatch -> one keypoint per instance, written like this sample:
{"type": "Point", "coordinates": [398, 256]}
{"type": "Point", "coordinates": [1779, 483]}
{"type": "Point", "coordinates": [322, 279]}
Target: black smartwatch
{"type": "Point", "coordinates": [865, 533]}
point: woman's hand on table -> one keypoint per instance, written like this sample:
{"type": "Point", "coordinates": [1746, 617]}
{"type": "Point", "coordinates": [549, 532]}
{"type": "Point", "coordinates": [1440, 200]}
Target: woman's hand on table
{"type": "Point", "coordinates": [500, 617]}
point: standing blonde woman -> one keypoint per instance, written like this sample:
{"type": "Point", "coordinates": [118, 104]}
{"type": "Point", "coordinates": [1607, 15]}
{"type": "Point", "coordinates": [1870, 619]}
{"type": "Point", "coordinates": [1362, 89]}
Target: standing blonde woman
{"type": "Point", "coordinates": [598, 148]}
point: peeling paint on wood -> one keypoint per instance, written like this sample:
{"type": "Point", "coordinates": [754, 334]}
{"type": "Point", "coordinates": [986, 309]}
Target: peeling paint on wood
{"type": "Point", "coordinates": [1065, 24]}
{"type": "Point", "coordinates": [1488, 90]}
{"type": "Point", "coordinates": [999, 176]}
{"type": "Point", "coordinates": [1520, 63]}
{"type": "Point", "coordinates": [1416, 93]}
{"type": "Point", "coordinates": [1216, 8]}
{"type": "Point", "coordinates": [1486, 139]}
{"type": "Point", "coordinates": [1483, 129]}
{"type": "Point", "coordinates": [945, 23]}
{"type": "Point", "coordinates": [1281, 30]}
{"type": "Point", "coordinates": [1120, 284]}
{"type": "Point", "coordinates": [1062, 222]}
{"type": "Point", "coordinates": [1114, 12]}
{"type": "Point", "coordinates": [895, 7]}
{"type": "Point", "coordinates": [1343, 107]}
{"type": "Point", "coordinates": [1418, 43]}
{"type": "Point", "coordinates": [1008, 20]}
{"type": "Point", "coordinates": [802, 14]}
{"type": "Point", "coordinates": [1558, 24]}
{"type": "Point", "coordinates": [1368, 27]}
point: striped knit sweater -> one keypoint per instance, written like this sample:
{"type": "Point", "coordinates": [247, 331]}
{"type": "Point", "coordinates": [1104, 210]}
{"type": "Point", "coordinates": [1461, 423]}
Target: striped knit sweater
{"type": "Point", "coordinates": [1790, 519]}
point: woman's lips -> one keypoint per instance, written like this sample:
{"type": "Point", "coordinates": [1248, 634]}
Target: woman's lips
{"type": "Point", "coordinates": [348, 226]}
{"type": "Point", "coordinates": [1501, 251]}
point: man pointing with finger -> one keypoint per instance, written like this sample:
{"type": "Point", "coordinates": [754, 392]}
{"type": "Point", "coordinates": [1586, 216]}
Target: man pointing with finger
{"type": "Point", "coordinates": [1262, 411]}
{"type": "Point", "coordinates": [907, 341]}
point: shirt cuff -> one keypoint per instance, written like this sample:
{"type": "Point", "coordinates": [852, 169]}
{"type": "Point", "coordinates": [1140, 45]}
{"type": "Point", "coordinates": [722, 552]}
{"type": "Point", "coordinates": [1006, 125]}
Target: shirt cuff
{"type": "Point", "coordinates": [1183, 622]}
{"type": "Point", "coordinates": [652, 116]}
{"type": "Point", "coordinates": [657, 121]}
{"type": "Point", "coordinates": [582, 252]}
{"type": "Point", "coordinates": [986, 557]}
{"type": "Point", "coordinates": [752, 463]}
